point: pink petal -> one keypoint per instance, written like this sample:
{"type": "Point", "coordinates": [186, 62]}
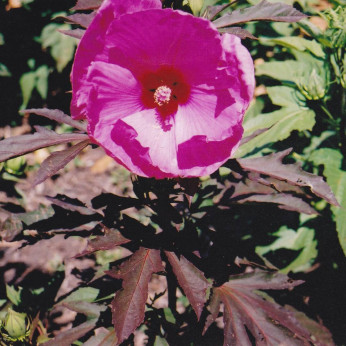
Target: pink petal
{"type": "Point", "coordinates": [165, 38]}
{"type": "Point", "coordinates": [238, 63]}
{"type": "Point", "coordinates": [91, 47]}
{"type": "Point", "coordinates": [115, 93]}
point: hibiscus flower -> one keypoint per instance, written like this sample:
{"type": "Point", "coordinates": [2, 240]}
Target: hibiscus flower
{"type": "Point", "coordinates": [163, 92]}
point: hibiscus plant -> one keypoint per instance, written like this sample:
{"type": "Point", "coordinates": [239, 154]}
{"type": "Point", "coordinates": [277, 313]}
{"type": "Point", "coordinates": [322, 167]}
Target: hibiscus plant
{"type": "Point", "coordinates": [163, 87]}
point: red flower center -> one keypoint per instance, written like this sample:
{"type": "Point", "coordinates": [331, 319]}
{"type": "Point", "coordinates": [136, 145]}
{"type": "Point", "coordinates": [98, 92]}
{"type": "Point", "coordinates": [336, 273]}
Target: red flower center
{"type": "Point", "coordinates": [164, 90]}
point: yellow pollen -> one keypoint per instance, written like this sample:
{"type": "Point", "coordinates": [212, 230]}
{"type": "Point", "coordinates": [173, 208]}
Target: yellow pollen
{"type": "Point", "coordinates": [162, 95]}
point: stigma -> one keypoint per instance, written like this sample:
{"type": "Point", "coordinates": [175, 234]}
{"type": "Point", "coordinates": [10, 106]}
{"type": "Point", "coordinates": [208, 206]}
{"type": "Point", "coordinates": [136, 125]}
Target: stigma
{"type": "Point", "coordinates": [162, 95]}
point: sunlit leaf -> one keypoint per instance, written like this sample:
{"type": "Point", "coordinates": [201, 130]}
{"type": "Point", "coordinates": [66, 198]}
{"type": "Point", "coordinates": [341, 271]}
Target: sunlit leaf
{"type": "Point", "coordinates": [262, 11]}
{"type": "Point", "coordinates": [129, 304]}
{"type": "Point", "coordinates": [87, 5]}
{"type": "Point", "coordinates": [336, 178]}
{"type": "Point", "coordinates": [81, 19]}
{"type": "Point", "coordinates": [57, 115]}
{"type": "Point", "coordinates": [272, 166]}
{"type": "Point", "coordinates": [284, 201]}
{"type": "Point", "coordinates": [240, 32]}
{"type": "Point", "coordinates": [85, 294]}
{"type": "Point", "coordinates": [42, 74]}
{"type": "Point", "coordinates": [246, 311]}
{"type": "Point", "coordinates": [20, 145]}
{"type": "Point", "coordinates": [298, 43]}
{"type": "Point", "coordinates": [104, 337]}
{"type": "Point", "coordinates": [196, 6]}
{"type": "Point", "coordinates": [56, 161]}
{"type": "Point", "coordinates": [280, 124]}
{"type": "Point", "coordinates": [111, 239]}
{"type": "Point", "coordinates": [191, 280]}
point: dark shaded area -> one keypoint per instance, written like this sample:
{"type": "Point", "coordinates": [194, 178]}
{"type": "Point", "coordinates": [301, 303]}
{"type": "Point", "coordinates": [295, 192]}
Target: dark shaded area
{"type": "Point", "coordinates": [19, 27]}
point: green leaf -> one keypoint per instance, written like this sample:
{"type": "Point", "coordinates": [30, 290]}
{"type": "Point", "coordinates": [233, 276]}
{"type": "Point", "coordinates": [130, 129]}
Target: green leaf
{"type": "Point", "coordinates": [336, 179]}
{"type": "Point", "coordinates": [13, 295]}
{"type": "Point", "coordinates": [4, 72]}
{"type": "Point", "coordinates": [302, 239]}
{"type": "Point", "coordinates": [280, 123]}
{"type": "Point", "coordinates": [285, 96]}
{"type": "Point", "coordinates": [62, 46]}
{"type": "Point", "coordinates": [87, 294]}
{"type": "Point", "coordinates": [2, 40]}
{"type": "Point", "coordinates": [299, 43]}
{"type": "Point", "coordinates": [27, 84]}
{"type": "Point", "coordinates": [288, 70]}
{"type": "Point", "coordinates": [196, 6]}
{"type": "Point", "coordinates": [42, 74]}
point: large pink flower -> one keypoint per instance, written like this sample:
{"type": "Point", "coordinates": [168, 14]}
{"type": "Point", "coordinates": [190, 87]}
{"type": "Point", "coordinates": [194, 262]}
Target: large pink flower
{"type": "Point", "coordinates": [164, 94]}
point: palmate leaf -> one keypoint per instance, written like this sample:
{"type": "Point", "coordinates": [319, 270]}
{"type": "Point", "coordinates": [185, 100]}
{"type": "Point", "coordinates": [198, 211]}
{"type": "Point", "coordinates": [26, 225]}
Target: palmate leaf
{"type": "Point", "coordinates": [20, 145]}
{"type": "Point", "coordinates": [191, 280]}
{"type": "Point", "coordinates": [87, 5]}
{"type": "Point", "coordinates": [58, 160]}
{"type": "Point", "coordinates": [272, 166]}
{"type": "Point", "coordinates": [240, 32]}
{"type": "Point", "coordinates": [264, 10]}
{"type": "Point", "coordinates": [82, 19]}
{"type": "Point", "coordinates": [111, 239]}
{"type": "Point", "coordinates": [247, 311]}
{"type": "Point", "coordinates": [57, 115]}
{"type": "Point", "coordinates": [129, 304]}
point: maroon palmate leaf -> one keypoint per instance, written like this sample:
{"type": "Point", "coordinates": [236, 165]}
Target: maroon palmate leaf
{"type": "Point", "coordinates": [129, 304]}
{"type": "Point", "coordinates": [87, 5]}
{"type": "Point", "coordinates": [67, 203]}
{"type": "Point", "coordinates": [57, 115]}
{"type": "Point", "coordinates": [76, 33]}
{"type": "Point", "coordinates": [284, 201]}
{"type": "Point", "coordinates": [212, 11]}
{"type": "Point", "coordinates": [102, 337]}
{"type": "Point", "coordinates": [82, 19]}
{"type": "Point", "coordinates": [191, 280]}
{"type": "Point", "coordinates": [264, 10]}
{"type": "Point", "coordinates": [111, 239]}
{"type": "Point", "coordinates": [271, 165]}
{"type": "Point", "coordinates": [20, 145]}
{"type": "Point", "coordinates": [58, 160]}
{"type": "Point", "coordinates": [248, 311]}
{"type": "Point", "coordinates": [235, 30]}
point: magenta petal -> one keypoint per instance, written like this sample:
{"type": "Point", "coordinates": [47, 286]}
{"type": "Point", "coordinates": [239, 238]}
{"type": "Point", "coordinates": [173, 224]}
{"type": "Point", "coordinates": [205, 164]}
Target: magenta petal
{"type": "Point", "coordinates": [165, 38]}
{"type": "Point", "coordinates": [92, 48]}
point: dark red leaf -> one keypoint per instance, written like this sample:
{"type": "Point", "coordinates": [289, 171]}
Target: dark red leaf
{"type": "Point", "coordinates": [57, 115]}
{"type": "Point", "coordinates": [69, 336]}
{"type": "Point", "coordinates": [20, 145]}
{"type": "Point", "coordinates": [111, 239]}
{"type": "Point", "coordinates": [321, 335]}
{"type": "Point", "coordinates": [129, 304]}
{"type": "Point", "coordinates": [264, 10]}
{"type": "Point", "coordinates": [59, 159]}
{"type": "Point", "coordinates": [87, 5]}
{"type": "Point", "coordinates": [272, 166]}
{"type": "Point", "coordinates": [212, 11]}
{"type": "Point", "coordinates": [285, 201]}
{"type": "Point", "coordinates": [246, 310]}
{"type": "Point", "coordinates": [92, 311]}
{"type": "Point", "coordinates": [235, 30]}
{"type": "Point", "coordinates": [71, 204]}
{"type": "Point", "coordinates": [82, 19]}
{"type": "Point", "coordinates": [191, 280]}
{"type": "Point", "coordinates": [76, 33]}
